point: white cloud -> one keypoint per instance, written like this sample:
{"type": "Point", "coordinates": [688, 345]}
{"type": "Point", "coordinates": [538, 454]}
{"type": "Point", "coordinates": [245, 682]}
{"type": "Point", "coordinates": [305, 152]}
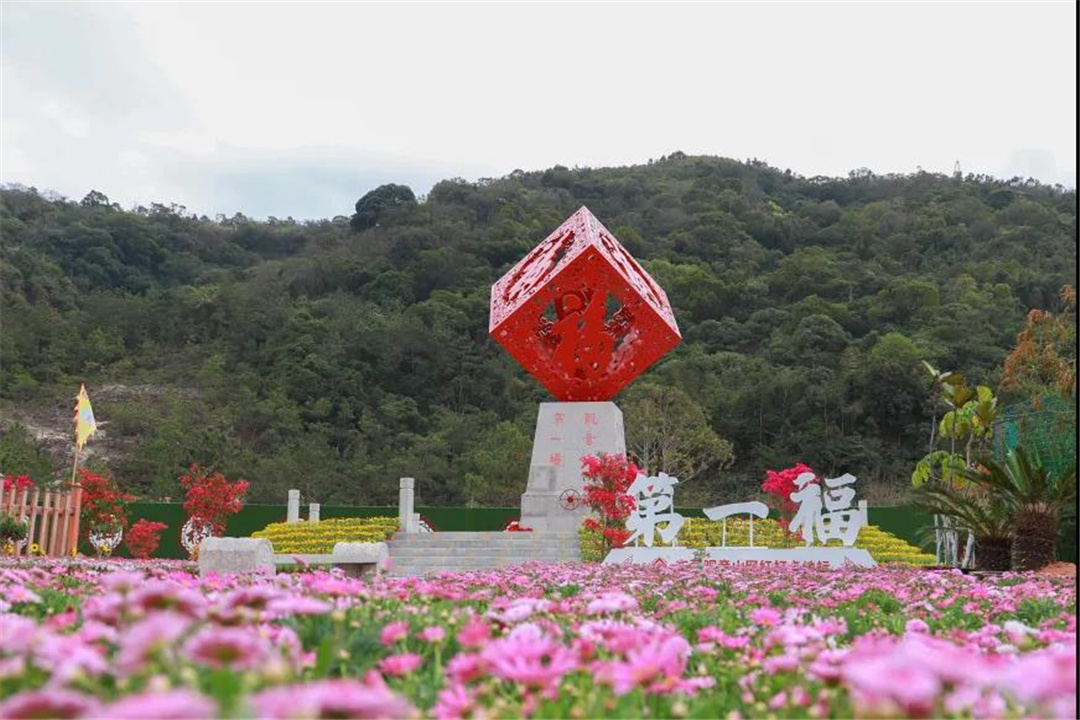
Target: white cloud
{"type": "Point", "coordinates": [67, 119]}
{"type": "Point", "coordinates": [287, 108]}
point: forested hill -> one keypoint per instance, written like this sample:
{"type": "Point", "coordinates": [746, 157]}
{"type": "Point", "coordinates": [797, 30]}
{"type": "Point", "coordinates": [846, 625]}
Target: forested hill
{"type": "Point", "coordinates": [336, 356]}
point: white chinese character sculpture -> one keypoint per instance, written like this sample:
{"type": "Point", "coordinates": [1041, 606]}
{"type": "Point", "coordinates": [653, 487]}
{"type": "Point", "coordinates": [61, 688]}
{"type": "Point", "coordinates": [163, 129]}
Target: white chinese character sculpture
{"type": "Point", "coordinates": [654, 513]}
{"type": "Point", "coordinates": [841, 522]}
{"type": "Point", "coordinates": [654, 498]}
{"type": "Point", "coordinates": [722, 512]}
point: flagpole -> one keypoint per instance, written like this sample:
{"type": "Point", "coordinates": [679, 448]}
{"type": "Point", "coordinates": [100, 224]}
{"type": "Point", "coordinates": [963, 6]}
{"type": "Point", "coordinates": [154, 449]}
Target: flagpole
{"type": "Point", "coordinates": [75, 467]}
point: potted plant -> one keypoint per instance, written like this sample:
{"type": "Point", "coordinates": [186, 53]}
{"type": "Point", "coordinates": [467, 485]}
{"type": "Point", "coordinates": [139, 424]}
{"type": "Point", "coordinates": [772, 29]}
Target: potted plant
{"type": "Point", "coordinates": [12, 532]}
{"type": "Point", "coordinates": [1038, 499]}
{"type": "Point", "coordinates": [211, 498]}
{"type": "Point", "coordinates": [104, 515]}
{"type": "Point", "coordinates": [984, 514]}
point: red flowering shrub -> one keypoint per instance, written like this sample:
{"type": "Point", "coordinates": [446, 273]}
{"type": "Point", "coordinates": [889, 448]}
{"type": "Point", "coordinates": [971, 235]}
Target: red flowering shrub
{"type": "Point", "coordinates": [516, 526]}
{"type": "Point", "coordinates": [143, 538]}
{"type": "Point", "coordinates": [104, 506]}
{"type": "Point", "coordinates": [779, 484]}
{"type": "Point", "coordinates": [18, 483]}
{"type": "Point", "coordinates": [211, 498]}
{"type": "Point", "coordinates": [607, 478]}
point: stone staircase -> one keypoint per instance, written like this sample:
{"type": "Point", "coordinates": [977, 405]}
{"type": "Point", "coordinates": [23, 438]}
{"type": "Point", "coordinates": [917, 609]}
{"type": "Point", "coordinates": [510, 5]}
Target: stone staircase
{"type": "Point", "coordinates": [429, 553]}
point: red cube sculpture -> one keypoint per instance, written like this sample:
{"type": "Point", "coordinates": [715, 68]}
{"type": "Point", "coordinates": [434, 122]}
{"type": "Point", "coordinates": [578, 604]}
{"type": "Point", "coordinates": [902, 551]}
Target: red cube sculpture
{"type": "Point", "coordinates": [580, 314]}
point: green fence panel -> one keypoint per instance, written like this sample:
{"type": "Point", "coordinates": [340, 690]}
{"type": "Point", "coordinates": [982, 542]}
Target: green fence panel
{"type": "Point", "coordinates": [904, 522]}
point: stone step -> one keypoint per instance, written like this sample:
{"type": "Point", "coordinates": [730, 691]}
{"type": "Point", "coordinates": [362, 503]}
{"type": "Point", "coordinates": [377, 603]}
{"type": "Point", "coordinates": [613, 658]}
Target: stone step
{"type": "Point", "coordinates": [478, 542]}
{"type": "Point", "coordinates": [476, 561]}
{"type": "Point", "coordinates": [415, 568]}
{"type": "Point", "coordinates": [470, 552]}
{"type": "Point", "coordinates": [414, 554]}
{"type": "Point", "coordinates": [478, 547]}
{"type": "Point", "coordinates": [488, 549]}
{"type": "Point", "coordinates": [487, 535]}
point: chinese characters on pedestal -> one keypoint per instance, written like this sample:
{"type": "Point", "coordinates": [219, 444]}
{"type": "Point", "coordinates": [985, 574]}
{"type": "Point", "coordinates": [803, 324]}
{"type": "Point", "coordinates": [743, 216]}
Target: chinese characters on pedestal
{"type": "Point", "coordinates": [654, 498]}
{"type": "Point", "coordinates": [824, 513]}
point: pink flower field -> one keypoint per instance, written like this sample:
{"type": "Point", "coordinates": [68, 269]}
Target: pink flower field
{"type": "Point", "coordinates": [127, 639]}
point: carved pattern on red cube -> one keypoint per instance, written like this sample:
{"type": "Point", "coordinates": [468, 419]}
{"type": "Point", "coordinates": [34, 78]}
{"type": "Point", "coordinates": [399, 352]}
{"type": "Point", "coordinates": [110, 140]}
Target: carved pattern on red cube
{"type": "Point", "coordinates": [580, 314]}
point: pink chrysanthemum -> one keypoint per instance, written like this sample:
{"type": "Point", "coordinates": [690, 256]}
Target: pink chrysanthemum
{"type": "Point", "coordinates": [330, 699]}
{"type": "Point", "coordinates": [227, 647]}
{"type": "Point", "coordinates": [169, 705]}
{"type": "Point", "coordinates": [56, 704]}
{"type": "Point", "coordinates": [401, 664]}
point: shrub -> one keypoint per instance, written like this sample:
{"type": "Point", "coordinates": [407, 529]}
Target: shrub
{"type": "Point", "coordinates": [104, 505]}
{"type": "Point", "coordinates": [17, 483]}
{"type": "Point", "coordinates": [700, 533]}
{"type": "Point", "coordinates": [607, 478]}
{"type": "Point", "coordinates": [143, 538]}
{"type": "Point", "coordinates": [211, 497]}
{"type": "Point", "coordinates": [779, 484]}
{"type": "Point", "coordinates": [12, 530]}
{"type": "Point", "coordinates": [319, 538]}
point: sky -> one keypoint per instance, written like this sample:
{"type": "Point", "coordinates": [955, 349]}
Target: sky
{"type": "Point", "coordinates": [290, 109]}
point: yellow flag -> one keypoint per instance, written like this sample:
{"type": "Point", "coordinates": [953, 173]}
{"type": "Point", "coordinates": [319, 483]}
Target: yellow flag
{"type": "Point", "coordinates": [85, 425]}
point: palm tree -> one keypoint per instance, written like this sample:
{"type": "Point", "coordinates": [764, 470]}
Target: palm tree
{"type": "Point", "coordinates": [1038, 499]}
{"type": "Point", "coordinates": [986, 516]}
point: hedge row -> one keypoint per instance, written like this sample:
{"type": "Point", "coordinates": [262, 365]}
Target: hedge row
{"type": "Point", "coordinates": [901, 522]}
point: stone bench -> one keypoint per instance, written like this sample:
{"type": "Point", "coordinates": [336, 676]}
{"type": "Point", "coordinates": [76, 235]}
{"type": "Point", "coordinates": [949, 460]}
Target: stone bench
{"type": "Point", "coordinates": [353, 558]}
{"type": "Point", "coordinates": [230, 555]}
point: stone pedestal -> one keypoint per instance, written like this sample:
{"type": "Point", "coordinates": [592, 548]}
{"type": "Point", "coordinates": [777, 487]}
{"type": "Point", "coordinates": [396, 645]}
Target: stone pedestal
{"type": "Point", "coordinates": [565, 433]}
{"type": "Point", "coordinates": [406, 488]}
{"type": "Point", "coordinates": [313, 513]}
{"type": "Point", "coordinates": [293, 509]}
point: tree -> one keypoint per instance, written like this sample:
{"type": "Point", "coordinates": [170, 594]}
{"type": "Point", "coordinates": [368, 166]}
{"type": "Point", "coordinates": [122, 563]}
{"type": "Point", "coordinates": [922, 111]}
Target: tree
{"type": "Point", "coordinates": [1044, 359]}
{"type": "Point", "coordinates": [666, 431]}
{"type": "Point", "coordinates": [289, 352]}
{"type": "Point", "coordinates": [375, 205]}
{"type": "Point", "coordinates": [499, 466]}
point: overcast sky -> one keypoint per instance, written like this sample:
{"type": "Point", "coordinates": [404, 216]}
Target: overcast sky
{"type": "Point", "coordinates": [298, 109]}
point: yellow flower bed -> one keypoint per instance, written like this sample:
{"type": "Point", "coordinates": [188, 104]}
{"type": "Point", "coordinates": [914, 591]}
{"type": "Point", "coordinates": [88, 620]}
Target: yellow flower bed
{"type": "Point", "coordinates": [304, 538]}
{"type": "Point", "coordinates": [701, 532]}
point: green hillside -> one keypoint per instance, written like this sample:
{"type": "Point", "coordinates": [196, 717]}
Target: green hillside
{"type": "Point", "coordinates": [338, 355]}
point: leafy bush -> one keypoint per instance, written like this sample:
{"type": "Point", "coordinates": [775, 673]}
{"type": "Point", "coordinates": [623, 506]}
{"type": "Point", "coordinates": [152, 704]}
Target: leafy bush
{"type": "Point", "coordinates": [320, 538]}
{"type": "Point", "coordinates": [211, 498]}
{"type": "Point", "coordinates": [700, 533]}
{"type": "Point", "coordinates": [12, 530]}
{"type": "Point", "coordinates": [104, 505]}
{"type": "Point", "coordinates": [143, 538]}
{"type": "Point", "coordinates": [607, 478]}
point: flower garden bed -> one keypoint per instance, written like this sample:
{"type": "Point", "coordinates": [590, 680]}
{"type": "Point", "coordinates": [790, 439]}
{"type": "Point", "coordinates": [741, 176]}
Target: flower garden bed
{"type": "Point", "coordinates": [699, 533]}
{"type": "Point", "coordinates": [124, 639]}
{"type": "Point", "coordinates": [320, 538]}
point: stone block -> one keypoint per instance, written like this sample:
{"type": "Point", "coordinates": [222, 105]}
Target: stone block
{"type": "Point", "coordinates": [228, 555]}
{"type": "Point", "coordinates": [565, 433]}
{"type": "Point", "coordinates": [648, 555]}
{"type": "Point", "coordinates": [357, 558]}
{"type": "Point", "coordinates": [835, 557]}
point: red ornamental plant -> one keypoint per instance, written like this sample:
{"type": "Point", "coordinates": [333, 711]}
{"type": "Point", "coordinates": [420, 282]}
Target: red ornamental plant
{"type": "Point", "coordinates": [779, 484]}
{"type": "Point", "coordinates": [211, 498]}
{"type": "Point", "coordinates": [18, 483]}
{"type": "Point", "coordinates": [607, 478]}
{"type": "Point", "coordinates": [143, 538]}
{"type": "Point", "coordinates": [104, 505]}
{"type": "Point", "coordinates": [516, 526]}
